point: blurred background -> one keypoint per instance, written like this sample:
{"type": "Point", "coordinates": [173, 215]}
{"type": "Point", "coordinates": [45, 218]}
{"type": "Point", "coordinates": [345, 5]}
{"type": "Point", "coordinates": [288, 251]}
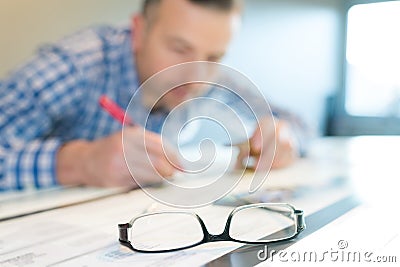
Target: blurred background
{"type": "Point", "coordinates": [335, 63]}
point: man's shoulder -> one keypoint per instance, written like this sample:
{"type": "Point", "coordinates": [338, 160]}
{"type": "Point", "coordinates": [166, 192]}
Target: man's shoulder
{"type": "Point", "coordinates": [94, 39]}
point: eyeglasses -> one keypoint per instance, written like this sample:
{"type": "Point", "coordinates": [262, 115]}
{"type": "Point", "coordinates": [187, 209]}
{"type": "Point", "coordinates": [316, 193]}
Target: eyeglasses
{"type": "Point", "coordinates": [175, 230]}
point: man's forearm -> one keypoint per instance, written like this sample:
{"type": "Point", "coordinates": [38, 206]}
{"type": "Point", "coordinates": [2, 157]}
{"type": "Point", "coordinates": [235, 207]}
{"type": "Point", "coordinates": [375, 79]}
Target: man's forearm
{"type": "Point", "coordinates": [72, 163]}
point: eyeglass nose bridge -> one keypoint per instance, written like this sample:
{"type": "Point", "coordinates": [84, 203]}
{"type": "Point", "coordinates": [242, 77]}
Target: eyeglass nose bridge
{"type": "Point", "coordinates": [221, 237]}
{"type": "Point", "coordinates": [224, 236]}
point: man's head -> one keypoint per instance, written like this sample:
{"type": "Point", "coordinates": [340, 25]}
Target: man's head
{"type": "Point", "coordinates": [169, 32]}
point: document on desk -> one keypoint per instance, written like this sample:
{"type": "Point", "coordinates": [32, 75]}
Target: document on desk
{"type": "Point", "coordinates": [14, 204]}
{"type": "Point", "coordinates": [87, 235]}
{"type": "Point", "coordinates": [366, 235]}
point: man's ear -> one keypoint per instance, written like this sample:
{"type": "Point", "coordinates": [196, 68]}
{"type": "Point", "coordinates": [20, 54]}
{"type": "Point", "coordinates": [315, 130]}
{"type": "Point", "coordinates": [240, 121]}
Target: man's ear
{"type": "Point", "coordinates": [137, 28]}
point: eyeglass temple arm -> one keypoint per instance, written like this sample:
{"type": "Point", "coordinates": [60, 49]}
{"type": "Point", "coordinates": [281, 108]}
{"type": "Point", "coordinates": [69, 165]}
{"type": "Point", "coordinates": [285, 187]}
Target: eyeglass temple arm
{"type": "Point", "coordinates": [301, 225]}
{"type": "Point", "coordinates": [284, 213]}
{"type": "Point", "coordinates": [123, 232]}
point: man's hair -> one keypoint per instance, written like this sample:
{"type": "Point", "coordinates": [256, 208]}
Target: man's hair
{"type": "Point", "coordinates": [222, 5]}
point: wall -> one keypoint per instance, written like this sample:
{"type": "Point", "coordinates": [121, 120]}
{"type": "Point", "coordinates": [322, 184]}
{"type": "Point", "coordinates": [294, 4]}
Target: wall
{"type": "Point", "coordinates": [25, 24]}
{"type": "Point", "coordinates": [291, 50]}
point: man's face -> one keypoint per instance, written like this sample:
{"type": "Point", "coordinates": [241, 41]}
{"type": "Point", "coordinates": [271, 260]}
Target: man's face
{"type": "Point", "coordinates": [177, 32]}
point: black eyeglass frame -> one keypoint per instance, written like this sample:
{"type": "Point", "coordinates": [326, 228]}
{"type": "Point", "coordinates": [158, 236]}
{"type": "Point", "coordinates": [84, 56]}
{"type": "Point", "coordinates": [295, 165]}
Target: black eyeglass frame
{"type": "Point", "coordinates": [224, 236]}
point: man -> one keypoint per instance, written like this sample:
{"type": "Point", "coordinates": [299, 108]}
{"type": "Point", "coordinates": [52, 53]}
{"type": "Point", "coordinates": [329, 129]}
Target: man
{"type": "Point", "coordinates": [54, 132]}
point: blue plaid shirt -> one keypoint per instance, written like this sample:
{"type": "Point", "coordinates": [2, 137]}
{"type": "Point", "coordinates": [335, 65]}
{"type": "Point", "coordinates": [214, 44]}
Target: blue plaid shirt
{"type": "Point", "coordinates": [54, 99]}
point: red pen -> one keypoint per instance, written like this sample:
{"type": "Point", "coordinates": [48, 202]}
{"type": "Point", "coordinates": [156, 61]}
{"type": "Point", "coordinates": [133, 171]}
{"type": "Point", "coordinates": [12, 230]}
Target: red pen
{"type": "Point", "coordinates": [114, 110]}
{"type": "Point", "coordinates": [119, 114]}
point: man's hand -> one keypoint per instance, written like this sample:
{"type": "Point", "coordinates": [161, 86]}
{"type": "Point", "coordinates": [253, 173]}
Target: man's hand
{"type": "Point", "coordinates": [261, 146]}
{"type": "Point", "coordinates": [102, 162]}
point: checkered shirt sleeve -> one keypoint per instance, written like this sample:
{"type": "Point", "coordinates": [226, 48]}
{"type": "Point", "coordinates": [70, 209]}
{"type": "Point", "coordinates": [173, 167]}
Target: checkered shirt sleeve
{"type": "Point", "coordinates": [27, 114]}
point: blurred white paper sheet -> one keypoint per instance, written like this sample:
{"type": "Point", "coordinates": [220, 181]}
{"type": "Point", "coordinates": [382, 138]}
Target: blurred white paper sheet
{"type": "Point", "coordinates": [87, 235]}
{"type": "Point", "coordinates": [14, 204]}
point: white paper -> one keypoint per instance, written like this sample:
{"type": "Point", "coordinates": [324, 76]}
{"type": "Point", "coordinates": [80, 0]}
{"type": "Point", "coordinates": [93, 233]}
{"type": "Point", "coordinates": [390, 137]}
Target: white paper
{"type": "Point", "coordinates": [14, 204]}
{"type": "Point", "coordinates": [87, 235]}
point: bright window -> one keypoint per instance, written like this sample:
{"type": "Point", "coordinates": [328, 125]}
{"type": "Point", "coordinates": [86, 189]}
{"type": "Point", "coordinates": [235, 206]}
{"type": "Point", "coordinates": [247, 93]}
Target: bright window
{"type": "Point", "coordinates": [373, 60]}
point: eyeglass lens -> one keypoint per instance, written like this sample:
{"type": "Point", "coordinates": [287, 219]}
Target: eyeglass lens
{"type": "Point", "coordinates": [263, 223]}
{"type": "Point", "coordinates": [165, 231]}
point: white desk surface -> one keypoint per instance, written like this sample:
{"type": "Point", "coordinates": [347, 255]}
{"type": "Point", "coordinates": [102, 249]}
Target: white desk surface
{"type": "Point", "coordinates": [81, 233]}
